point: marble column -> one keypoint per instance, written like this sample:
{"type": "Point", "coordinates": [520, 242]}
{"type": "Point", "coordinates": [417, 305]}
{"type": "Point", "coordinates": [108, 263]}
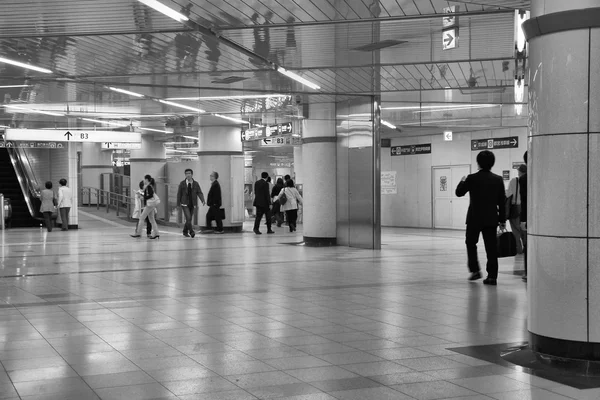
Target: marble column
{"type": "Point", "coordinates": [94, 162]}
{"type": "Point", "coordinates": [220, 150]}
{"type": "Point", "coordinates": [564, 178]}
{"type": "Point", "coordinates": [319, 163]}
{"type": "Point", "coordinates": [150, 160]}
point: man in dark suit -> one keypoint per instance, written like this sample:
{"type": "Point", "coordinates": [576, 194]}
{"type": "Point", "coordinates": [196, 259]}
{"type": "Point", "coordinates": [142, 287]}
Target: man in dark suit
{"type": "Point", "coordinates": [262, 202]}
{"type": "Point", "coordinates": [214, 201]}
{"type": "Point", "coordinates": [187, 198]}
{"type": "Point", "coordinates": [486, 213]}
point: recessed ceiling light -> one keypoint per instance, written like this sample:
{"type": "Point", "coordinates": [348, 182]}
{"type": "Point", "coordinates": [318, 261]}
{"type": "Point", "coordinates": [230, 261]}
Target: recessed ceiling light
{"type": "Point", "coordinates": [26, 110]}
{"type": "Point", "coordinates": [241, 121]}
{"type": "Point", "coordinates": [181, 106]}
{"type": "Point", "coordinates": [298, 78]}
{"type": "Point", "coordinates": [169, 12]}
{"type": "Point", "coordinates": [233, 97]}
{"type": "Point", "coordinates": [26, 66]}
{"type": "Point", "coordinates": [114, 89]}
{"type": "Point", "coordinates": [388, 124]}
{"type": "Point", "coordinates": [13, 86]}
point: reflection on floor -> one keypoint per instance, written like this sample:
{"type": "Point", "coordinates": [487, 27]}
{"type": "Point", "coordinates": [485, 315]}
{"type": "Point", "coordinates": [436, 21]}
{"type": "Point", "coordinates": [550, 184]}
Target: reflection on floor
{"type": "Point", "coordinates": [94, 314]}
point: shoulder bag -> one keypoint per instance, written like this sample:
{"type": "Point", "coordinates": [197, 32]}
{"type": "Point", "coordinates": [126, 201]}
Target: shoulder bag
{"type": "Point", "coordinates": [283, 199]}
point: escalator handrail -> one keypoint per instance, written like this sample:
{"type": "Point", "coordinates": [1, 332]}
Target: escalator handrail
{"type": "Point", "coordinates": [24, 180]}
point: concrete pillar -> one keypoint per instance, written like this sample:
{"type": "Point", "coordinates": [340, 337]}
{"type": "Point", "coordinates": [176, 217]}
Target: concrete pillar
{"type": "Point", "coordinates": [298, 172]}
{"type": "Point", "coordinates": [564, 178]}
{"type": "Point", "coordinates": [94, 162]}
{"type": "Point", "coordinates": [319, 163]}
{"type": "Point", "coordinates": [220, 150]}
{"type": "Point", "coordinates": [150, 159]}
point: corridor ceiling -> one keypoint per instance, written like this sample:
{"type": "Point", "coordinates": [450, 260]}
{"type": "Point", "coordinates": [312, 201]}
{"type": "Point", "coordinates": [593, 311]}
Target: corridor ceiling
{"type": "Point", "coordinates": [233, 47]}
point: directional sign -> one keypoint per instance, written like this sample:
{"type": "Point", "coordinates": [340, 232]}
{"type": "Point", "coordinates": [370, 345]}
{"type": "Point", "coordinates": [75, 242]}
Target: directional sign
{"type": "Point", "coordinates": [32, 145]}
{"type": "Point", "coordinates": [448, 136]}
{"type": "Point", "coordinates": [450, 20]}
{"type": "Point", "coordinates": [411, 149]}
{"type": "Point", "coordinates": [120, 145]}
{"type": "Point", "coordinates": [58, 135]}
{"type": "Point", "coordinates": [267, 131]}
{"type": "Point", "coordinates": [511, 142]}
{"type": "Point", "coordinates": [450, 39]}
{"type": "Point", "coordinates": [280, 141]}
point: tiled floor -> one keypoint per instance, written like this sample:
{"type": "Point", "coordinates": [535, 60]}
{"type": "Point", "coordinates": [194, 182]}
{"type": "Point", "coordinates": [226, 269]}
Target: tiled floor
{"type": "Point", "coordinates": [94, 314]}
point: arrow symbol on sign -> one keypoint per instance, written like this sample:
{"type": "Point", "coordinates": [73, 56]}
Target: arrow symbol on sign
{"type": "Point", "coordinates": [514, 142]}
{"type": "Point", "coordinates": [108, 144]}
{"type": "Point", "coordinates": [266, 141]}
{"type": "Point", "coordinates": [68, 135]}
{"type": "Point", "coordinates": [448, 39]}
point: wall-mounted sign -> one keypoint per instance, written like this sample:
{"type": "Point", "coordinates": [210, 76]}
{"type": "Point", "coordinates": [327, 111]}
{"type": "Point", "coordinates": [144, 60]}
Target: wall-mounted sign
{"type": "Point", "coordinates": [450, 39]}
{"type": "Point", "coordinates": [516, 165]}
{"type": "Point", "coordinates": [443, 184]}
{"type": "Point", "coordinates": [280, 141]}
{"type": "Point", "coordinates": [280, 164]}
{"type": "Point", "coordinates": [267, 131]}
{"type": "Point", "coordinates": [506, 175]}
{"type": "Point", "coordinates": [62, 135]}
{"type": "Point", "coordinates": [119, 145]}
{"type": "Point", "coordinates": [32, 145]}
{"type": "Point", "coordinates": [411, 150]}
{"type": "Point", "coordinates": [448, 136]}
{"type": "Point", "coordinates": [388, 182]}
{"type": "Point", "coordinates": [511, 142]}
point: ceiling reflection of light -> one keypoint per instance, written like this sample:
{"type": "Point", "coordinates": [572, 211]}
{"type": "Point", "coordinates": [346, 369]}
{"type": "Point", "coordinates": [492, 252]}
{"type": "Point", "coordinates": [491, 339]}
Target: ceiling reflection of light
{"type": "Point", "coordinates": [26, 66]}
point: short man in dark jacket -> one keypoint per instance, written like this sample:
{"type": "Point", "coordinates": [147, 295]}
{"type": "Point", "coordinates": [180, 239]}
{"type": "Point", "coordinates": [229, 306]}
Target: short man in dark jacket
{"type": "Point", "coordinates": [262, 202]}
{"type": "Point", "coordinates": [187, 198]}
{"type": "Point", "coordinates": [486, 213]}
{"type": "Point", "coordinates": [214, 202]}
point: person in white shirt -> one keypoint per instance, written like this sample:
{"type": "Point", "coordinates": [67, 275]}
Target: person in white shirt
{"type": "Point", "coordinates": [65, 202]}
{"type": "Point", "coordinates": [514, 210]}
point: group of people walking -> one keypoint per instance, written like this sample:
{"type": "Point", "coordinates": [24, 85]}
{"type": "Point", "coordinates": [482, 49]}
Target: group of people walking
{"type": "Point", "coordinates": [282, 198]}
{"type": "Point", "coordinates": [55, 204]}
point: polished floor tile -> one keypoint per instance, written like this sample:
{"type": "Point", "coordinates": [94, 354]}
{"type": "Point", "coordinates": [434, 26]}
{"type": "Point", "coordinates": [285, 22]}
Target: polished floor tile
{"type": "Point", "coordinates": [240, 317]}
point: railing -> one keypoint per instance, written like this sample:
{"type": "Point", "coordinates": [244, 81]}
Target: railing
{"type": "Point", "coordinates": [104, 198]}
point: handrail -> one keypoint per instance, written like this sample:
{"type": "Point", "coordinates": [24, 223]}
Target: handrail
{"type": "Point", "coordinates": [108, 198]}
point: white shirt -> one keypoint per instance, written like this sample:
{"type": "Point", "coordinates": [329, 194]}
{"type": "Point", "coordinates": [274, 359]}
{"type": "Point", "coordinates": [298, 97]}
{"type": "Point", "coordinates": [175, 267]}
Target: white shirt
{"type": "Point", "coordinates": [65, 197]}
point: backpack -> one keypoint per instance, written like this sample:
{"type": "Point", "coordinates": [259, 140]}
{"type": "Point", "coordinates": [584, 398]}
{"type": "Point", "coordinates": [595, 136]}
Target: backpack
{"type": "Point", "coordinates": [283, 198]}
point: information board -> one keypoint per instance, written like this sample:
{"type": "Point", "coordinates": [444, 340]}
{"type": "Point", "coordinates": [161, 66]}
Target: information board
{"type": "Point", "coordinates": [411, 149]}
{"type": "Point", "coordinates": [511, 142]}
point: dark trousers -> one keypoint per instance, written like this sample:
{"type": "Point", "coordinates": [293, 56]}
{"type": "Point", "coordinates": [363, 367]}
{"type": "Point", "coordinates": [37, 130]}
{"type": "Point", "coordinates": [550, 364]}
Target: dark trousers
{"type": "Point", "coordinates": [64, 215]}
{"type": "Point", "coordinates": [148, 226]}
{"type": "Point", "coordinates": [214, 213]}
{"type": "Point", "coordinates": [277, 215]}
{"type": "Point", "coordinates": [525, 252]}
{"type": "Point", "coordinates": [260, 211]}
{"type": "Point", "coordinates": [292, 217]}
{"type": "Point", "coordinates": [48, 220]}
{"type": "Point", "coordinates": [489, 240]}
{"type": "Point", "coordinates": [188, 213]}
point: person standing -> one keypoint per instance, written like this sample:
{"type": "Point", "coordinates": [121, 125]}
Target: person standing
{"type": "Point", "coordinates": [65, 202]}
{"type": "Point", "coordinates": [139, 208]}
{"type": "Point", "coordinates": [514, 209]}
{"type": "Point", "coordinates": [486, 212]}
{"type": "Point", "coordinates": [276, 211]}
{"type": "Point", "coordinates": [187, 198]}
{"type": "Point", "coordinates": [262, 202]}
{"type": "Point", "coordinates": [151, 201]}
{"type": "Point", "coordinates": [48, 205]}
{"type": "Point", "coordinates": [214, 202]}
{"type": "Point", "coordinates": [291, 205]}
{"type": "Point", "coordinates": [523, 185]}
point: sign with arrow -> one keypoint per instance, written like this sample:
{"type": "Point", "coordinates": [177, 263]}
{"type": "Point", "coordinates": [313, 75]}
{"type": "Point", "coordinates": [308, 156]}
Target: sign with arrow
{"type": "Point", "coordinates": [450, 39]}
{"type": "Point", "coordinates": [511, 142]}
{"type": "Point", "coordinates": [120, 145]}
{"type": "Point", "coordinates": [60, 135]}
{"type": "Point", "coordinates": [448, 136]}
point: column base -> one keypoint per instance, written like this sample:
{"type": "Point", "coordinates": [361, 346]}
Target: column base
{"type": "Point", "coordinates": [319, 242]}
{"type": "Point", "coordinates": [564, 348]}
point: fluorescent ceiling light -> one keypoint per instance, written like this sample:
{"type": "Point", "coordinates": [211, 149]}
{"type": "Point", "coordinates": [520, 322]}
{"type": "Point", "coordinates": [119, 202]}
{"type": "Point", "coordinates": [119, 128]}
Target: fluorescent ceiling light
{"type": "Point", "coordinates": [442, 121]}
{"type": "Point", "coordinates": [114, 89]}
{"type": "Point", "coordinates": [181, 106]}
{"type": "Point", "coordinates": [26, 66]}
{"type": "Point", "coordinates": [176, 151]}
{"type": "Point", "coordinates": [458, 108]}
{"type": "Point", "coordinates": [240, 121]}
{"type": "Point", "coordinates": [174, 143]}
{"type": "Point", "coordinates": [445, 106]}
{"type": "Point", "coordinates": [190, 137]}
{"type": "Point", "coordinates": [153, 130]}
{"type": "Point", "coordinates": [32, 110]}
{"type": "Point", "coordinates": [103, 122]}
{"type": "Point", "coordinates": [298, 78]}
{"type": "Point", "coordinates": [13, 86]}
{"type": "Point", "coordinates": [388, 124]}
{"type": "Point", "coordinates": [169, 12]}
{"type": "Point", "coordinates": [234, 97]}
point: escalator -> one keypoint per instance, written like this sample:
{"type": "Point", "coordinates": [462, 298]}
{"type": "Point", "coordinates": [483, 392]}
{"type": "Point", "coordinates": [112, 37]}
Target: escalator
{"type": "Point", "coordinates": [18, 184]}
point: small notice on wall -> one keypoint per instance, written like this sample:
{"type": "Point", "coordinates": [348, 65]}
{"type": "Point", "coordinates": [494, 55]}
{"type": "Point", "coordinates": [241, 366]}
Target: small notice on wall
{"type": "Point", "coordinates": [506, 175]}
{"type": "Point", "coordinates": [443, 184]}
{"type": "Point", "coordinates": [388, 182]}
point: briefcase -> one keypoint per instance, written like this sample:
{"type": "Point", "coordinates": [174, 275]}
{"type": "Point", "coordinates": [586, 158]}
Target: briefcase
{"type": "Point", "coordinates": [506, 244]}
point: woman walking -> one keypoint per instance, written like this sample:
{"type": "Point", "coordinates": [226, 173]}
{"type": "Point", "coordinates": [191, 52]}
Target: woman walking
{"type": "Point", "coordinates": [290, 205]}
{"type": "Point", "coordinates": [48, 205]}
{"type": "Point", "coordinates": [152, 202]}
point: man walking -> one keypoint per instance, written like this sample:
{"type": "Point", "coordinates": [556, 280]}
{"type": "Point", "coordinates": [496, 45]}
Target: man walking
{"type": "Point", "coordinates": [262, 202]}
{"type": "Point", "coordinates": [187, 198]}
{"type": "Point", "coordinates": [214, 201]}
{"type": "Point", "coordinates": [486, 213]}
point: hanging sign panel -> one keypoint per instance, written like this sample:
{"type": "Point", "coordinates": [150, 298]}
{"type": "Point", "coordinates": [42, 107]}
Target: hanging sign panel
{"type": "Point", "coordinates": [120, 145]}
{"type": "Point", "coordinates": [31, 145]}
{"type": "Point", "coordinates": [411, 149]}
{"type": "Point", "coordinates": [511, 142]}
{"type": "Point", "coordinates": [57, 135]}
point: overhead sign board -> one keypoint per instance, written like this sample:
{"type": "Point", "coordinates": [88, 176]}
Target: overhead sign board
{"type": "Point", "coordinates": [31, 145]}
{"type": "Point", "coordinates": [450, 39]}
{"type": "Point", "coordinates": [411, 149]}
{"type": "Point", "coordinates": [449, 21]}
{"type": "Point", "coordinates": [511, 142]}
{"type": "Point", "coordinates": [280, 141]}
{"type": "Point", "coordinates": [120, 145]}
{"type": "Point", "coordinates": [267, 131]}
{"type": "Point", "coordinates": [62, 135]}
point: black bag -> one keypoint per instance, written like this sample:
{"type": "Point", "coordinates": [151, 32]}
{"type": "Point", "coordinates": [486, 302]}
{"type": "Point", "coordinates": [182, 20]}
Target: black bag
{"type": "Point", "coordinates": [222, 213]}
{"type": "Point", "coordinates": [506, 244]}
{"type": "Point", "coordinates": [283, 198]}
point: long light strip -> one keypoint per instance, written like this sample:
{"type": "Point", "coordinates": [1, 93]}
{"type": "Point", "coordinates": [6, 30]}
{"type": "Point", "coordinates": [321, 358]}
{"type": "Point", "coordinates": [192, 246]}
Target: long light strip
{"type": "Point", "coordinates": [104, 122]}
{"type": "Point", "coordinates": [436, 122]}
{"type": "Point", "coordinates": [13, 86]}
{"type": "Point", "coordinates": [234, 97]}
{"type": "Point", "coordinates": [169, 12]}
{"type": "Point", "coordinates": [388, 124]}
{"type": "Point", "coordinates": [176, 151]}
{"type": "Point", "coordinates": [176, 143]}
{"type": "Point", "coordinates": [240, 121]}
{"type": "Point", "coordinates": [153, 130]}
{"type": "Point", "coordinates": [457, 108]}
{"type": "Point", "coordinates": [448, 106]}
{"type": "Point", "coordinates": [114, 89]}
{"type": "Point", "coordinates": [190, 137]}
{"type": "Point", "coordinates": [298, 78]}
{"type": "Point", "coordinates": [33, 110]}
{"type": "Point", "coordinates": [26, 66]}
{"type": "Point", "coordinates": [181, 106]}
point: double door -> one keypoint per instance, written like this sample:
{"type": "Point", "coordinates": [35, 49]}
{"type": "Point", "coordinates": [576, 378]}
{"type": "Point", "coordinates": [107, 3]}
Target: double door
{"type": "Point", "coordinates": [449, 211]}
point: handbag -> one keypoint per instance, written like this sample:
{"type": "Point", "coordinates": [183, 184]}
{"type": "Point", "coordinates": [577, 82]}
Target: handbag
{"type": "Point", "coordinates": [222, 213]}
{"type": "Point", "coordinates": [154, 201]}
{"type": "Point", "coordinates": [283, 199]}
{"type": "Point", "coordinates": [506, 244]}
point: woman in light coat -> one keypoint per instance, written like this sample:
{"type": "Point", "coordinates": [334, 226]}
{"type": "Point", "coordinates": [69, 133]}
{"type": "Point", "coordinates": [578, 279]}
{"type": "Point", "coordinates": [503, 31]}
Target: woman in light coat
{"type": "Point", "coordinates": [291, 205]}
{"type": "Point", "coordinates": [48, 205]}
{"type": "Point", "coordinates": [65, 202]}
{"type": "Point", "coordinates": [149, 209]}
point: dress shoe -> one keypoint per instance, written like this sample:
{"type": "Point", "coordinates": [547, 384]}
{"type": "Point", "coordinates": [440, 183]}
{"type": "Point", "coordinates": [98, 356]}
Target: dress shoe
{"type": "Point", "coordinates": [219, 232]}
{"type": "Point", "coordinates": [270, 231]}
{"type": "Point", "coordinates": [186, 234]}
{"type": "Point", "coordinates": [474, 276]}
{"type": "Point", "coordinates": [257, 232]}
{"type": "Point", "coordinates": [155, 237]}
{"type": "Point", "coordinates": [136, 236]}
{"type": "Point", "coordinates": [490, 281]}
{"type": "Point", "coordinates": [192, 234]}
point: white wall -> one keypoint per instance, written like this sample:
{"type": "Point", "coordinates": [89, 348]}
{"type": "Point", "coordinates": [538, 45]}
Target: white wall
{"type": "Point", "coordinates": [412, 205]}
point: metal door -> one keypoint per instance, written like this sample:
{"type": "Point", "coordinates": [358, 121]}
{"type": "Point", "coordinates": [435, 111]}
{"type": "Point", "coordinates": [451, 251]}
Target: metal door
{"type": "Point", "coordinates": [449, 211]}
{"type": "Point", "coordinates": [361, 216]}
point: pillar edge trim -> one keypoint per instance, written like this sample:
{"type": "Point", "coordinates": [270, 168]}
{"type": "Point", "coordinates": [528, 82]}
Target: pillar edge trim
{"type": "Point", "coordinates": [319, 139]}
{"type": "Point", "coordinates": [220, 153]}
{"type": "Point", "coordinates": [564, 348]}
{"type": "Point", "coordinates": [562, 21]}
{"type": "Point", "coordinates": [147, 160]}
